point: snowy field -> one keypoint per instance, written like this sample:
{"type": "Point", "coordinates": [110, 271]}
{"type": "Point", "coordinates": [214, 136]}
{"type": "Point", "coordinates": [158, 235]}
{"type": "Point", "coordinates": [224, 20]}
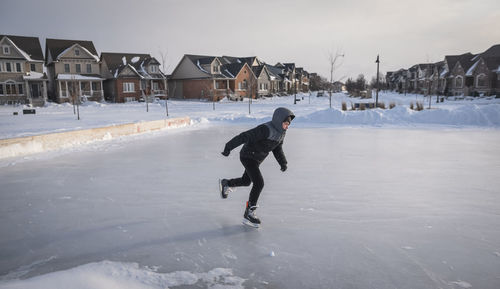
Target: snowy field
{"type": "Point", "coordinates": [310, 111]}
{"type": "Point", "coordinates": [373, 199]}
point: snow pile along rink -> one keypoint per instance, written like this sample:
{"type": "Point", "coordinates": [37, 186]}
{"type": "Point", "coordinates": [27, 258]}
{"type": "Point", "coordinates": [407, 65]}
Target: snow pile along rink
{"type": "Point", "coordinates": [115, 275]}
{"type": "Point", "coordinates": [41, 143]}
{"type": "Point", "coordinates": [463, 116]}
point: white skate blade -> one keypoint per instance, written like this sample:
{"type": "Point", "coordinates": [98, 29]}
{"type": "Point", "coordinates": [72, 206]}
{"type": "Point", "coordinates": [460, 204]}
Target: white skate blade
{"type": "Point", "coordinates": [250, 224]}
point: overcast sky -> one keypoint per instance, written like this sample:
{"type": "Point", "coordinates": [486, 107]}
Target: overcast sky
{"type": "Point", "coordinates": [305, 32]}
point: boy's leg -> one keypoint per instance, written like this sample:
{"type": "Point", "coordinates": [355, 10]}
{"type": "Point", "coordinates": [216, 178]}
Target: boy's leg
{"type": "Point", "coordinates": [253, 173]}
{"type": "Point", "coordinates": [244, 181]}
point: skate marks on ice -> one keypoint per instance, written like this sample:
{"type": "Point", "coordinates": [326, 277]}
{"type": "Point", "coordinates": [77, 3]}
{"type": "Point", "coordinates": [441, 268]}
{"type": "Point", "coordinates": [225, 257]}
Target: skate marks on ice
{"type": "Point", "coordinates": [107, 274]}
{"type": "Point", "coordinates": [440, 283]}
{"type": "Point", "coordinates": [26, 269]}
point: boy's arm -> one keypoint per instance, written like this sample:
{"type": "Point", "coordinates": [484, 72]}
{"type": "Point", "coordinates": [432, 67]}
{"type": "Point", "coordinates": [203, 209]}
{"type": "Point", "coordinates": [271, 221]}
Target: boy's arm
{"type": "Point", "coordinates": [280, 156]}
{"type": "Point", "coordinates": [255, 134]}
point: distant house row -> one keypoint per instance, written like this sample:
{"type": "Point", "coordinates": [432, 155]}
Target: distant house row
{"type": "Point", "coordinates": [466, 74]}
{"type": "Point", "coordinates": [73, 69]}
{"type": "Point", "coordinates": [215, 77]}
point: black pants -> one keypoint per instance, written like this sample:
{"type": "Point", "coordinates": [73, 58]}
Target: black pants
{"type": "Point", "coordinates": [251, 175]}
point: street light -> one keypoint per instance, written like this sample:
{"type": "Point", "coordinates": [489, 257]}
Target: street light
{"type": "Point", "coordinates": [376, 99]}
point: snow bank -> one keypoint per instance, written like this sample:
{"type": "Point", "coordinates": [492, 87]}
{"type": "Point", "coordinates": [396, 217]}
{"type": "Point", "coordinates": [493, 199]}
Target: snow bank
{"type": "Point", "coordinates": [471, 115]}
{"type": "Point", "coordinates": [114, 275]}
{"type": "Point", "coordinates": [48, 142]}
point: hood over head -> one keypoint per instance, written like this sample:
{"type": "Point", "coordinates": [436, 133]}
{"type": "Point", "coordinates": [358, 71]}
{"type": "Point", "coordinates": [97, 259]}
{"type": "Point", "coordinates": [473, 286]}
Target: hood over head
{"type": "Point", "coordinates": [280, 115]}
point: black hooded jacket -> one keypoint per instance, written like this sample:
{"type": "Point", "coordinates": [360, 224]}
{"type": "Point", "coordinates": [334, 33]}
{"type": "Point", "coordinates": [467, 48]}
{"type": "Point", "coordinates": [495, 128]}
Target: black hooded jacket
{"type": "Point", "coordinates": [261, 140]}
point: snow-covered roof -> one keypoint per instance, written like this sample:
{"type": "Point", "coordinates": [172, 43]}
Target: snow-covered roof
{"type": "Point", "coordinates": [199, 66]}
{"type": "Point", "coordinates": [34, 75]}
{"type": "Point", "coordinates": [470, 72]}
{"type": "Point", "coordinates": [29, 47]}
{"type": "Point", "coordinates": [63, 76]}
{"type": "Point", "coordinates": [23, 53]}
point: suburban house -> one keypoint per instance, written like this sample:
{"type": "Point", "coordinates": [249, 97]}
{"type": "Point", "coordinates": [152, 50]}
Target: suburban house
{"type": "Point", "coordinates": [276, 75]}
{"type": "Point", "coordinates": [458, 75]}
{"type": "Point", "coordinates": [303, 78]}
{"type": "Point", "coordinates": [263, 80]}
{"type": "Point", "coordinates": [132, 77]}
{"type": "Point", "coordinates": [484, 74]}
{"type": "Point", "coordinates": [211, 77]}
{"type": "Point", "coordinates": [73, 69]}
{"type": "Point", "coordinates": [22, 80]}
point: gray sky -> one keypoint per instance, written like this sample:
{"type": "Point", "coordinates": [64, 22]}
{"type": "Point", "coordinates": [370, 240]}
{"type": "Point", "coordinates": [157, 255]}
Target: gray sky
{"type": "Point", "coordinates": [305, 32]}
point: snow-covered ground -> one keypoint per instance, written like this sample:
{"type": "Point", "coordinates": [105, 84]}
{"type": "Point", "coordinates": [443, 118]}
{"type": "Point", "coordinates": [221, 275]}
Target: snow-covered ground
{"type": "Point", "coordinates": [373, 199]}
{"type": "Point", "coordinates": [310, 110]}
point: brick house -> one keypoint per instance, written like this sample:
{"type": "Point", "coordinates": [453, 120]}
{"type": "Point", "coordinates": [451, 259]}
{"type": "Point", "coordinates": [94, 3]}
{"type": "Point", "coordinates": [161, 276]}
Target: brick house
{"type": "Point", "coordinates": [459, 85]}
{"type": "Point", "coordinates": [22, 80]}
{"type": "Point", "coordinates": [130, 77]}
{"type": "Point", "coordinates": [211, 77]}
{"type": "Point", "coordinates": [484, 73]}
{"type": "Point", "coordinates": [73, 68]}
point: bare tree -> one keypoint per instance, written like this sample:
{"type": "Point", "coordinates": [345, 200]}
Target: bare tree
{"type": "Point", "coordinates": [251, 88]}
{"type": "Point", "coordinates": [333, 61]}
{"type": "Point", "coordinates": [163, 56]}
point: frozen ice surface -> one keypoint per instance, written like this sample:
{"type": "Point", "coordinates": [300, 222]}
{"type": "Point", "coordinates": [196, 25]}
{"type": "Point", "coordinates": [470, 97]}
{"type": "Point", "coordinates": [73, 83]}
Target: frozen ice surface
{"type": "Point", "coordinates": [357, 208]}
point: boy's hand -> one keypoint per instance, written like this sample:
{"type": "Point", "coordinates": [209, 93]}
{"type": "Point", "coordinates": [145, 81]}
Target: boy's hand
{"type": "Point", "coordinates": [225, 152]}
{"type": "Point", "coordinates": [283, 168]}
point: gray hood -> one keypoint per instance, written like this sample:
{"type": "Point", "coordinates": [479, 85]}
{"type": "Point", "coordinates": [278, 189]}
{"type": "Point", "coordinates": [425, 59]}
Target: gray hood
{"type": "Point", "coordinates": [280, 114]}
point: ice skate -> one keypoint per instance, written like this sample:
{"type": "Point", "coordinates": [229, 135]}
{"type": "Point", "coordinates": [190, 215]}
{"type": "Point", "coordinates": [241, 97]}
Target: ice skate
{"type": "Point", "coordinates": [250, 218]}
{"type": "Point", "coordinates": [224, 188]}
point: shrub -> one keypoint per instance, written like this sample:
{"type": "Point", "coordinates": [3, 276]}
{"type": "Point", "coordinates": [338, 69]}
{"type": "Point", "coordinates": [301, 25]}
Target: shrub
{"type": "Point", "coordinates": [411, 106]}
{"type": "Point", "coordinates": [344, 106]}
{"type": "Point", "coordinates": [381, 105]}
{"type": "Point", "coordinates": [420, 106]}
{"type": "Point", "coordinates": [362, 106]}
{"type": "Point", "coordinates": [392, 105]}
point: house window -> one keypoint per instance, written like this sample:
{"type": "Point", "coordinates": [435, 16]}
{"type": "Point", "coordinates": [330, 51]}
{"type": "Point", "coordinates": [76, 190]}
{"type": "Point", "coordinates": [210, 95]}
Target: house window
{"type": "Point", "coordinates": [94, 85]}
{"type": "Point", "coordinates": [154, 68]}
{"type": "Point", "coordinates": [1, 89]}
{"type": "Point", "coordinates": [66, 67]}
{"type": "Point", "coordinates": [216, 69]}
{"type": "Point", "coordinates": [6, 49]}
{"type": "Point", "coordinates": [217, 85]}
{"type": "Point", "coordinates": [128, 87]}
{"type": "Point", "coordinates": [155, 86]}
{"type": "Point", "coordinates": [10, 88]}
{"type": "Point", "coordinates": [77, 52]}
{"type": "Point", "coordinates": [89, 68]}
{"type": "Point", "coordinates": [459, 82]}
{"type": "Point", "coordinates": [20, 90]}
{"type": "Point", "coordinates": [18, 67]}
{"type": "Point", "coordinates": [481, 80]}
{"type": "Point", "coordinates": [1, 66]}
{"type": "Point", "coordinates": [8, 67]}
{"type": "Point", "coordinates": [78, 68]}
{"type": "Point", "coordinates": [33, 67]}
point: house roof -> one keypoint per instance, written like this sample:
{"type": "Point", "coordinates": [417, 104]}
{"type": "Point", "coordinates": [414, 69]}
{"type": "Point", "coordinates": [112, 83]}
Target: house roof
{"type": "Point", "coordinates": [116, 62]}
{"type": "Point", "coordinates": [57, 46]}
{"type": "Point", "coordinates": [30, 45]}
{"type": "Point", "coordinates": [257, 70]}
{"type": "Point", "coordinates": [231, 70]}
{"type": "Point", "coordinates": [463, 58]}
{"type": "Point", "coordinates": [493, 63]}
{"type": "Point", "coordinates": [493, 51]}
{"type": "Point", "coordinates": [275, 71]}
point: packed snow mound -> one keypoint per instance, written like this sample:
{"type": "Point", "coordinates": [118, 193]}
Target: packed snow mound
{"type": "Point", "coordinates": [472, 115]}
{"type": "Point", "coordinates": [115, 275]}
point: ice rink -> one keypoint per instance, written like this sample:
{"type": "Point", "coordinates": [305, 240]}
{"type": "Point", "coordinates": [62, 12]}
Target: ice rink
{"type": "Point", "coordinates": [358, 208]}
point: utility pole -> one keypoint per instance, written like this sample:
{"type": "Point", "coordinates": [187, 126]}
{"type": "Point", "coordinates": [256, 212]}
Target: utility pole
{"type": "Point", "coordinates": [376, 99]}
